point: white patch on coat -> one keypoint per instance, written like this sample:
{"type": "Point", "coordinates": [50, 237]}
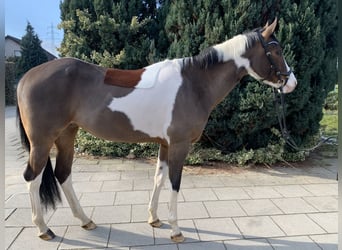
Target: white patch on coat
{"type": "Point", "coordinates": [150, 109]}
{"type": "Point", "coordinates": [233, 49]}
{"type": "Point", "coordinates": [150, 75]}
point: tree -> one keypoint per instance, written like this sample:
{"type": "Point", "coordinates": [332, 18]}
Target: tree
{"type": "Point", "coordinates": [132, 34]}
{"type": "Point", "coordinates": [116, 33]}
{"type": "Point", "coordinates": [246, 117]}
{"type": "Point", "coordinates": [32, 54]}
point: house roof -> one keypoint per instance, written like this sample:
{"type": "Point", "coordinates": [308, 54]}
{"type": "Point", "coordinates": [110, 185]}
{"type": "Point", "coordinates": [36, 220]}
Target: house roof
{"type": "Point", "coordinates": [18, 41]}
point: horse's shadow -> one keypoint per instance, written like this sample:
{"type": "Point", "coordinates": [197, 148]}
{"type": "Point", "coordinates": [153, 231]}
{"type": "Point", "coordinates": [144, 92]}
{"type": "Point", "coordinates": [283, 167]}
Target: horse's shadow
{"type": "Point", "coordinates": [107, 237]}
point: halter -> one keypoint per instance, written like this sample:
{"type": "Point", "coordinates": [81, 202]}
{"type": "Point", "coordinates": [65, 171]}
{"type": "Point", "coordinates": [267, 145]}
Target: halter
{"type": "Point", "coordinates": [271, 61]}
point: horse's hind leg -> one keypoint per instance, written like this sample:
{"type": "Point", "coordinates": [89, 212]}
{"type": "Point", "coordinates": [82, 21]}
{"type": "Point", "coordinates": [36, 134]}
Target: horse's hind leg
{"type": "Point", "coordinates": [38, 160]}
{"type": "Point", "coordinates": [64, 159]}
{"type": "Point", "coordinates": [159, 179]}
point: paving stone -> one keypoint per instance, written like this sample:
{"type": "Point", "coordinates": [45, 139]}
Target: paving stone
{"type": "Point", "coordinates": [191, 210]}
{"type": "Point", "coordinates": [81, 176]}
{"type": "Point", "coordinates": [235, 181]}
{"type": "Point", "coordinates": [143, 184]}
{"type": "Point", "coordinates": [125, 185]}
{"type": "Point", "coordinates": [64, 217]}
{"type": "Point", "coordinates": [214, 229]}
{"type": "Point", "coordinates": [224, 209]}
{"type": "Point", "coordinates": [78, 238]}
{"type": "Point", "coordinates": [11, 234]}
{"type": "Point", "coordinates": [258, 227]}
{"type": "Point", "coordinates": [19, 200]}
{"type": "Point", "coordinates": [134, 174]}
{"type": "Point", "coordinates": [8, 212]}
{"type": "Point", "coordinates": [326, 241]}
{"type": "Point", "coordinates": [112, 214]}
{"type": "Point", "coordinates": [323, 204]}
{"type": "Point", "coordinates": [87, 187]}
{"type": "Point", "coordinates": [297, 224]}
{"type": "Point", "coordinates": [292, 191]}
{"type": "Point", "coordinates": [132, 197]}
{"type": "Point", "coordinates": [97, 199]}
{"type": "Point", "coordinates": [231, 193]}
{"type": "Point", "coordinates": [252, 244]}
{"type": "Point", "coordinates": [294, 205]}
{"type": "Point", "coordinates": [198, 194]}
{"type": "Point", "coordinates": [162, 235]}
{"type": "Point", "coordinates": [328, 221]}
{"type": "Point", "coordinates": [28, 239]}
{"type": "Point", "coordinates": [22, 217]}
{"type": "Point", "coordinates": [262, 192]}
{"type": "Point", "coordinates": [294, 243]}
{"type": "Point", "coordinates": [113, 176]}
{"type": "Point", "coordinates": [158, 247]}
{"type": "Point", "coordinates": [132, 234]}
{"type": "Point", "coordinates": [259, 207]}
{"type": "Point", "coordinates": [322, 189]}
{"type": "Point", "coordinates": [202, 246]}
{"type": "Point", "coordinates": [207, 181]}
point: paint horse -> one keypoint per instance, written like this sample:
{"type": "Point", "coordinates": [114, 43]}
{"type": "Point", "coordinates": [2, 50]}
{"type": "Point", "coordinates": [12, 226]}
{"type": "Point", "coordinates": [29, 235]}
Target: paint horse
{"type": "Point", "coordinates": [167, 103]}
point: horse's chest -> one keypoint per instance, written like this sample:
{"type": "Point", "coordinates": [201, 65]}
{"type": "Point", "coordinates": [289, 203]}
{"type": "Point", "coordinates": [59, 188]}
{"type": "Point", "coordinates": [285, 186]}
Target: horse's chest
{"type": "Point", "coordinates": [150, 110]}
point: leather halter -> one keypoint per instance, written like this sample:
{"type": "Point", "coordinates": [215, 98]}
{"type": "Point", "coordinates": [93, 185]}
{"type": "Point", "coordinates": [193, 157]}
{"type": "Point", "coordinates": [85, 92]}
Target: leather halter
{"type": "Point", "coordinates": [271, 61]}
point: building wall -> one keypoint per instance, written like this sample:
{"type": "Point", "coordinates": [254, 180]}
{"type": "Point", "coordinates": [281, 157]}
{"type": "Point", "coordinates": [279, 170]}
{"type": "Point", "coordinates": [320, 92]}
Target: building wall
{"type": "Point", "coordinates": [11, 48]}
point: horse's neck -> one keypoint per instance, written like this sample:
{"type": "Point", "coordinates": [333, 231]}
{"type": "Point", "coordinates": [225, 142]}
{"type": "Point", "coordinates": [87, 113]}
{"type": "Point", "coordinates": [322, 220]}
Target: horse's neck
{"type": "Point", "coordinates": [217, 81]}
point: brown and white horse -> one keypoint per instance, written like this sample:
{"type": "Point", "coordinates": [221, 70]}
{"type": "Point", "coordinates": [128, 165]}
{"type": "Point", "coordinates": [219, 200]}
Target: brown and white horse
{"type": "Point", "coordinates": [168, 102]}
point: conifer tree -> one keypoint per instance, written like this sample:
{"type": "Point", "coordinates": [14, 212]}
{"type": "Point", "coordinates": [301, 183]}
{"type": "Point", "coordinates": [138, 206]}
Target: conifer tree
{"type": "Point", "coordinates": [132, 34]}
{"type": "Point", "coordinates": [32, 54]}
{"type": "Point", "coordinates": [110, 33]}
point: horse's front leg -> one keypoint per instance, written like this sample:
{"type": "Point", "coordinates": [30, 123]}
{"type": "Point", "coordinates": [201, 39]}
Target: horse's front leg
{"type": "Point", "coordinates": [177, 154]}
{"type": "Point", "coordinates": [159, 180]}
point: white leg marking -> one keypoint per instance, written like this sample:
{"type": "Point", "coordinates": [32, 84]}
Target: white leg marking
{"type": "Point", "coordinates": [173, 214]}
{"type": "Point", "coordinates": [73, 201]}
{"type": "Point", "coordinates": [159, 179]}
{"type": "Point", "coordinates": [37, 211]}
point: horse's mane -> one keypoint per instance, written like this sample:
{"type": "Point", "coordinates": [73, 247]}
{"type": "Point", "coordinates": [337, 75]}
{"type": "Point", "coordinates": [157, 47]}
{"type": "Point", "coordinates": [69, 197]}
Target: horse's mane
{"type": "Point", "coordinates": [211, 56]}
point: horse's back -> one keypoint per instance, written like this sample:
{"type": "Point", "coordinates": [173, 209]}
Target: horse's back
{"type": "Point", "coordinates": [53, 88]}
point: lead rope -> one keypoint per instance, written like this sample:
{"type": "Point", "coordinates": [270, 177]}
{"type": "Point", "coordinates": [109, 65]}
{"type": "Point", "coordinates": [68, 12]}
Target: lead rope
{"type": "Point", "coordinates": [279, 102]}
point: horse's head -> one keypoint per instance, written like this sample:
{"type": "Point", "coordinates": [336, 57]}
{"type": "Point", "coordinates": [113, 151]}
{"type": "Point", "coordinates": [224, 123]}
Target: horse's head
{"type": "Point", "coordinates": [267, 62]}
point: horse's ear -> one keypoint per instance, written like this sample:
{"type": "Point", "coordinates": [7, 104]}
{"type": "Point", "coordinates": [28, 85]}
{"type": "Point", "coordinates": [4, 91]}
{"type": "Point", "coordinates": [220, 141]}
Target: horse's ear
{"type": "Point", "coordinates": [269, 29]}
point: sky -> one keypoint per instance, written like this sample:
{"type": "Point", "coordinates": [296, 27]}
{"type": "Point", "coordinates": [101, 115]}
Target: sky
{"type": "Point", "coordinates": [44, 16]}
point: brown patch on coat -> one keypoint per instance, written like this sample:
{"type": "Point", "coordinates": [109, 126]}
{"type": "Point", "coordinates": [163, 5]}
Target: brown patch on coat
{"type": "Point", "coordinates": [123, 78]}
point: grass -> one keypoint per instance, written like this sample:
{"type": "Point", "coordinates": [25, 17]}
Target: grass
{"type": "Point", "coordinates": [329, 123]}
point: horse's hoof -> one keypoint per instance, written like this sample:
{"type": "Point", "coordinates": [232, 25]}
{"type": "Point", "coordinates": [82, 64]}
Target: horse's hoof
{"type": "Point", "coordinates": [49, 235]}
{"type": "Point", "coordinates": [90, 226]}
{"type": "Point", "coordinates": [178, 238]}
{"type": "Point", "coordinates": [157, 223]}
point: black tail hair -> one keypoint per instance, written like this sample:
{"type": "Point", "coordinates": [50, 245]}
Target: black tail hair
{"type": "Point", "coordinates": [49, 192]}
{"type": "Point", "coordinates": [23, 136]}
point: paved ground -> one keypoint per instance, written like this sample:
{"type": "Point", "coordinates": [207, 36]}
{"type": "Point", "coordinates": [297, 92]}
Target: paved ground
{"type": "Point", "coordinates": [255, 209]}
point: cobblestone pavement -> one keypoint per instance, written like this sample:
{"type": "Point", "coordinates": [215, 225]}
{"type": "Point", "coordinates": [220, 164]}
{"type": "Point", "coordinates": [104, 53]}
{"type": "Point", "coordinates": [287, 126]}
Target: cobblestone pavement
{"type": "Point", "coordinates": [256, 209]}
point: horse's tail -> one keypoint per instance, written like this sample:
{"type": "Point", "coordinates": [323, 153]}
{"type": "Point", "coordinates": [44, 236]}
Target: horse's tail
{"type": "Point", "coordinates": [23, 136]}
{"type": "Point", "coordinates": [49, 192]}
